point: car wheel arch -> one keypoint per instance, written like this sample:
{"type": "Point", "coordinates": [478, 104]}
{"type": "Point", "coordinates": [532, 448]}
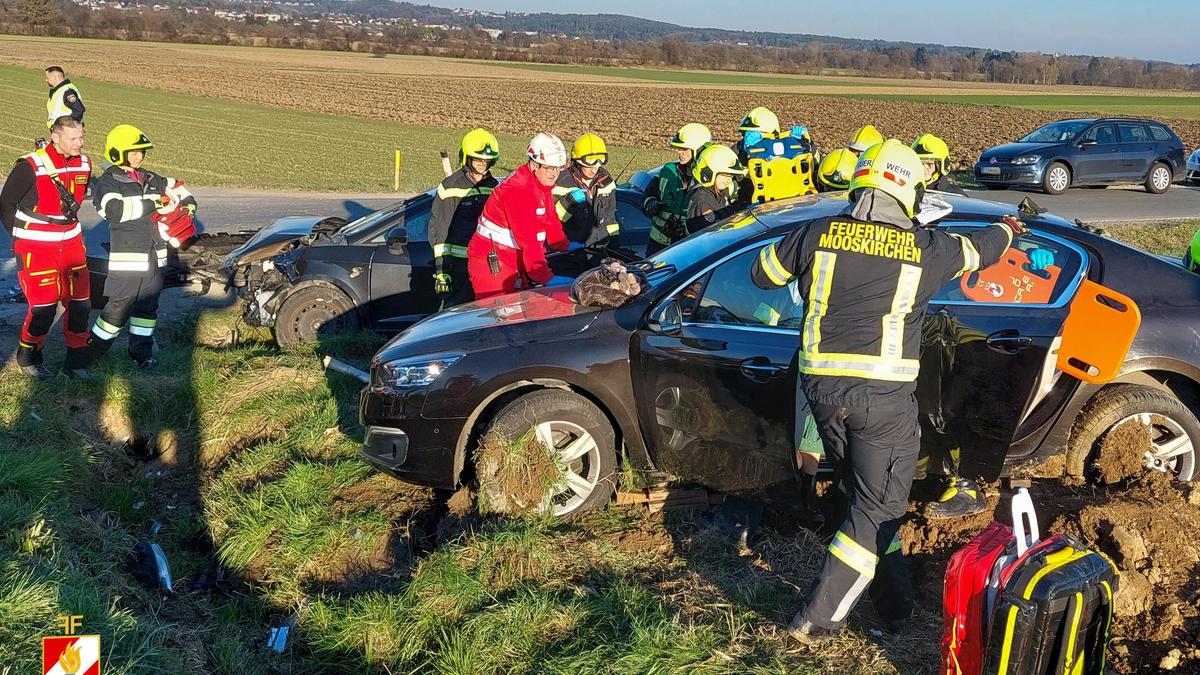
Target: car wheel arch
{"type": "Point", "coordinates": [324, 282]}
{"type": "Point", "coordinates": [478, 420]}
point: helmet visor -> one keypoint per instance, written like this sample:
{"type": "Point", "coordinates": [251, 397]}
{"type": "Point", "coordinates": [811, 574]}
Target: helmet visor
{"type": "Point", "coordinates": [593, 160]}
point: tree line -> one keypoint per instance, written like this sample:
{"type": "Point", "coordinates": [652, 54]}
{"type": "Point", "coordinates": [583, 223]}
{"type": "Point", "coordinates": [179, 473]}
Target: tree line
{"type": "Point", "coordinates": [48, 17]}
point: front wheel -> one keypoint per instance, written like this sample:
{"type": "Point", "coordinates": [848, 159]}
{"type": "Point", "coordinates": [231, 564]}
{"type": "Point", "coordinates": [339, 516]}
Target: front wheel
{"type": "Point", "coordinates": [581, 443]}
{"type": "Point", "coordinates": [1057, 179]}
{"type": "Point", "coordinates": [1167, 433]}
{"type": "Point", "coordinates": [1159, 179]}
{"type": "Point", "coordinates": [313, 312]}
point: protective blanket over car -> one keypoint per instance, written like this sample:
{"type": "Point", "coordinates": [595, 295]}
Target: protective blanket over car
{"type": "Point", "coordinates": [609, 285]}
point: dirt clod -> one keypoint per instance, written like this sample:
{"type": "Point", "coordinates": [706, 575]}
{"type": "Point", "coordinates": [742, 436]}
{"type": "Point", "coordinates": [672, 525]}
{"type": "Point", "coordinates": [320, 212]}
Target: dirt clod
{"type": "Point", "coordinates": [515, 476]}
{"type": "Point", "coordinates": [1172, 660]}
{"type": "Point", "coordinates": [1134, 595]}
{"type": "Point", "coordinates": [1121, 451]}
{"type": "Point", "coordinates": [1131, 547]}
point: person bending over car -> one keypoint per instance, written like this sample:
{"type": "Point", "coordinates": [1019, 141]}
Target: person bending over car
{"type": "Point", "coordinates": [866, 278]}
{"type": "Point", "coordinates": [456, 207]}
{"type": "Point", "coordinates": [710, 201]}
{"type": "Point", "coordinates": [508, 250]}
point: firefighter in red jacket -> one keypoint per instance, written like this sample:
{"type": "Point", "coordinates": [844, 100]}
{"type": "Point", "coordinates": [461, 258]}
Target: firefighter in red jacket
{"type": "Point", "coordinates": [39, 207]}
{"type": "Point", "coordinates": [508, 250]}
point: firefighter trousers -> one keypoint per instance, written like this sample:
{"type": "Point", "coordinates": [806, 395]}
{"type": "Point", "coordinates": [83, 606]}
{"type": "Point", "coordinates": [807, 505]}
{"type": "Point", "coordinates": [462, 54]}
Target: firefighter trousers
{"type": "Point", "coordinates": [508, 278]}
{"type": "Point", "coordinates": [873, 451]}
{"type": "Point", "coordinates": [132, 297]}
{"type": "Point", "coordinates": [52, 273]}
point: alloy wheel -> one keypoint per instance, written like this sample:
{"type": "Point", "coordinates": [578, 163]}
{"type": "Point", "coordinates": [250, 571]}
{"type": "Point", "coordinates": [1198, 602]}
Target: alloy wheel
{"type": "Point", "coordinates": [577, 456]}
{"type": "Point", "coordinates": [1161, 178]}
{"type": "Point", "coordinates": [1060, 179]}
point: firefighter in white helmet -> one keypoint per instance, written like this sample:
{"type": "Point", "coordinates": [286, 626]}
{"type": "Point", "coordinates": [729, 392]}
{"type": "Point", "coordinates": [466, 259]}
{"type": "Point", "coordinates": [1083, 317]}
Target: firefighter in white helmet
{"type": "Point", "coordinates": [519, 221]}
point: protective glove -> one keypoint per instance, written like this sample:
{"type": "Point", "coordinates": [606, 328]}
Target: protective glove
{"type": "Point", "coordinates": [751, 138]}
{"type": "Point", "coordinates": [167, 203]}
{"type": "Point", "coordinates": [574, 246]}
{"type": "Point", "coordinates": [441, 283]}
{"type": "Point", "coordinates": [652, 207]}
{"type": "Point", "coordinates": [799, 131]}
{"type": "Point", "coordinates": [559, 281]}
{"type": "Point", "coordinates": [577, 196]}
{"type": "Point", "coordinates": [1040, 259]}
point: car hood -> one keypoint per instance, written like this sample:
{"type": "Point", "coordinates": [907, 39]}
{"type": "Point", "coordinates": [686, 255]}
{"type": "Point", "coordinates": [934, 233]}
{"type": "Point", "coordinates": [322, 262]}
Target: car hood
{"type": "Point", "coordinates": [523, 318]}
{"type": "Point", "coordinates": [1014, 149]}
{"type": "Point", "coordinates": [272, 239]}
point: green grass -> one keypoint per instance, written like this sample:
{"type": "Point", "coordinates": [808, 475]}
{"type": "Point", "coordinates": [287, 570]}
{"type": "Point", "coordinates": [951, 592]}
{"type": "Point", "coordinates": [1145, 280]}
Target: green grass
{"type": "Point", "coordinates": [213, 142]}
{"type": "Point", "coordinates": [694, 76]}
{"type": "Point", "coordinates": [1161, 107]}
{"type": "Point", "coordinates": [1159, 238]}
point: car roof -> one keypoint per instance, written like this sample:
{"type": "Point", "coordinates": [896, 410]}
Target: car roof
{"type": "Point", "coordinates": [787, 212]}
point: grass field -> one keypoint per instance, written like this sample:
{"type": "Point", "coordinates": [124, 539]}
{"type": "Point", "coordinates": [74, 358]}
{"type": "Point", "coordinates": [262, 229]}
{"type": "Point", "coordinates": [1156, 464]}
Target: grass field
{"type": "Point", "coordinates": [216, 142]}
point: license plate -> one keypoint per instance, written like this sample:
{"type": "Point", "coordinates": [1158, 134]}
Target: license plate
{"type": "Point", "coordinates": [991, 170]}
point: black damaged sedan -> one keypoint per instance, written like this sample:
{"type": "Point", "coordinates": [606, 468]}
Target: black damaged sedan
{"type": "Point", "coordinates": [696, 377]}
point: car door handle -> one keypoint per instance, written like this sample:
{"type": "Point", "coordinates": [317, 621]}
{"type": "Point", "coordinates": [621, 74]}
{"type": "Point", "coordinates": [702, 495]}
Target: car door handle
{"type": "Point", "coordinates": [760, 369]}
{"type": "Point", "coordinates": [1009, 341]}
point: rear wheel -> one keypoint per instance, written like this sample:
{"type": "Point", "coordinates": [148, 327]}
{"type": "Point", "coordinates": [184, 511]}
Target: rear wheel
{"type": "Point", "coordinates": [313, 312]}
{"type": "Point", "coordinates": [1056, 179]}
{"type": "Point", "coordinates": [1159, 178]}
{"type": "Point", "coordinates": [1172, 434]}
{"type": "Point", "coordinates": [581, 441]}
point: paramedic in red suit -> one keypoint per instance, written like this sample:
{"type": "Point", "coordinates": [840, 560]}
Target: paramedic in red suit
{"type": "Point", "coordinates": [508, 250]}
{"type": "Point", "coordinates": [38, 207]}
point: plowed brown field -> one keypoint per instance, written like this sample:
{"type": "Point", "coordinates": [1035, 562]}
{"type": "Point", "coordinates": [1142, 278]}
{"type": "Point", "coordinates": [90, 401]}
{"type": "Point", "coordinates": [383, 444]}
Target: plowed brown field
{"type": "Point", "coordinates": [429, 92]}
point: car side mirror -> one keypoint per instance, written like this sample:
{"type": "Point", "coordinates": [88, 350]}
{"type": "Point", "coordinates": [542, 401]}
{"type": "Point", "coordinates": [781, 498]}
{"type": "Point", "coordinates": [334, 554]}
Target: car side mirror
{"type": "Point", "coordinates": [668, 318]}
{"type": "Point", "coordinates": [397, 237]}
{"type": "Point", "coordinates": [1088, 141]}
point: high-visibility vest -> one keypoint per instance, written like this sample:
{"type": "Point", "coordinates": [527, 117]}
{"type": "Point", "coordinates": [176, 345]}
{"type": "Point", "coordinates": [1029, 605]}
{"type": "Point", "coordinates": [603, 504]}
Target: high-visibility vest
{"type": "Point", "coordinates": [56, 105]}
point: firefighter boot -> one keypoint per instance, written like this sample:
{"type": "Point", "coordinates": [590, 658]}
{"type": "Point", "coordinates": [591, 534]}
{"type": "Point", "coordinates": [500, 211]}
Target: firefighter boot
{"type": "Point", "coordinates": [962, 498]}
{"type": "Point", "coordinates": [29, 359]}
{"type": "Point", "coordinates": [809, 505]}
{"type": "Point", "coordinates": [76, 364]}
{"type": "Point", "coordinates": [806, 632]}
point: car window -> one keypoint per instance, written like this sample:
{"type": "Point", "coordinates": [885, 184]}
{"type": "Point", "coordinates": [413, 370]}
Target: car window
{"type": "Point", "coordinates": [361, 226]}
{"type": "Point", "coordinates": [1160, 133]}
{"type": "Point", "coordinates": [727, 296]}
{"type": "Point", "coordinates": [1013, 281]}
{"type": "Point", "coordinates": [1056, 132]}
{"type": "Point", "coordinates": [1101, 134]}
{"type": "Point", "coordinates": [1133, 133]}
{"type": "Point", "coordinates": [416, 223]}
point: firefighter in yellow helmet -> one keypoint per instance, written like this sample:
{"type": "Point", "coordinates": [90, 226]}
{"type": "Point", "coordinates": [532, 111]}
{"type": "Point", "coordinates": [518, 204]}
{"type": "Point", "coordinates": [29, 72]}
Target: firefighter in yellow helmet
{"type": "Point", "coordinates": [779, 163]}
{"type": "Point", "coordinates": [709, 201]}
{"type": "Point", "coordinates": [864, 138]}
{"type": "Point", "coordinates": [667, 195]}
{"type": "Point", "coordinates": [146, 214]}
{"type": "Point", "coordinates": [456, 207]}
{"type": "Point", "coordinates": [866, 277]}
{"type": "Point", "coordinates": [586, 195]}
{"type": "Point", "coordinates": [935, 157]}
{"type": "Point", "coordinates": [836, 169]}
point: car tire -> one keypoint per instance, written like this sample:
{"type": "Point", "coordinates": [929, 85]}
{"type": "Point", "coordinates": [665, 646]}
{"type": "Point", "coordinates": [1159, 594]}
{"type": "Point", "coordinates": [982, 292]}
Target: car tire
{"type": "Point", "coordinates": [1057, 179]}
{"type": "Point", "coordinates": [1175, 431]}
{"type": "Point", "coordinates": [563, 420]}
{"type": "Point", "coordinates": [311, 312]}
{"type": "Point", "coordinates": [1158, 180]}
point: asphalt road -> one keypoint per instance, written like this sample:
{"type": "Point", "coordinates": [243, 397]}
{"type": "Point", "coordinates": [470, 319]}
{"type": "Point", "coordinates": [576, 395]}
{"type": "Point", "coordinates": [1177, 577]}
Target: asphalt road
{"type": "Point", "coordinates": [232, 210]}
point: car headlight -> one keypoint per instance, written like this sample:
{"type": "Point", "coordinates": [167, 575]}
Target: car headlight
{"type": "Point", "coordinates": [416, 372]}
{"type": "Point", "coordinates": [1027, 159]}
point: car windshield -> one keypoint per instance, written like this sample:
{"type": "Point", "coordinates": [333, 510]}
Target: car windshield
{"type": "Point", "coordinates": [703, 244]}
{"type": "Point", "coordinates": [1056, 132]}
{"type": "Point", "coordinates": [369, 221]}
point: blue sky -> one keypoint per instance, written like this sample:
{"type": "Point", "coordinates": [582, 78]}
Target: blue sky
{"type": "Point", "coordinates": [1167, 30]}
